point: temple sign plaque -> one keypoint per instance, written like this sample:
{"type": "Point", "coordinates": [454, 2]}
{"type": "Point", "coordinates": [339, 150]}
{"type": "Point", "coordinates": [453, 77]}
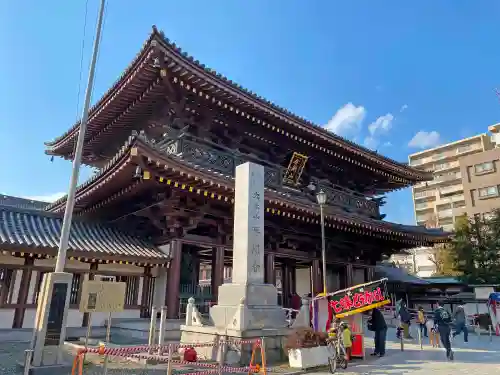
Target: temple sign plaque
{"type": "Point", "coordinates": [102, 296]}
{"type": "Point", "coordinates": [295, 168]}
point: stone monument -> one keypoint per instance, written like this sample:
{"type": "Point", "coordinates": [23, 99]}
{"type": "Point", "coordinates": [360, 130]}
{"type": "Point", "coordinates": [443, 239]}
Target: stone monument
{"type": "Point", "coordinates": [49, 331]}
{"type": "Point", "coordinates": [247, 307]}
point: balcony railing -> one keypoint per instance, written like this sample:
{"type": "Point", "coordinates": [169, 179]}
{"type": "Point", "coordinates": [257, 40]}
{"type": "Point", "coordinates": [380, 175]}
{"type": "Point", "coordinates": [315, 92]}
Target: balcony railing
{"type": "Point", "coordinates": [217, 158]}
{"type": "Point", "coordinates": [445, 213]}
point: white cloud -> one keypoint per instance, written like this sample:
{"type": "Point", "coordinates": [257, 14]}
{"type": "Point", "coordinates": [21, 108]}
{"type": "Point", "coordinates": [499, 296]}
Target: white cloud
{"type": "Point", "coordinates": [387, 144]}
{"type": "Point", "coordinates": [403, 108]}
{"type": "Point", "coordinates": [46, 198]}
{"type": "Point", "coordinates": [347, 120]}
{"type": "Point", "coordinates": [424, 139]}
{"type": "Point", "coordinates": [381, 124]}
{"type": "Point", "coordinates": [378, 127]}
{"type": "Point", "coordinates": [371, 142]}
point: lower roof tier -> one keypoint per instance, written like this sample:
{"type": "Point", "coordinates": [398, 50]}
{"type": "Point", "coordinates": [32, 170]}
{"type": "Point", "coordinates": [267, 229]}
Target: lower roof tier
{"type": "Point", "coordinates": [144, 167]}
{"type": "Point", "coordinates": [24, 232]}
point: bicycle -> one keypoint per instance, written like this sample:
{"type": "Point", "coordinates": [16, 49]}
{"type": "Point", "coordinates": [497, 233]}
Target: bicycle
{"type": "Point", "coordinates": [338, 354]}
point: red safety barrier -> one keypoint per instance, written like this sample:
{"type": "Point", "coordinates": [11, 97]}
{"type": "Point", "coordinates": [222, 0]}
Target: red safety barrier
{"type": "Point", "coordinates": [141, 350]}
{"type": "Point", "coordinates": [103, 350]}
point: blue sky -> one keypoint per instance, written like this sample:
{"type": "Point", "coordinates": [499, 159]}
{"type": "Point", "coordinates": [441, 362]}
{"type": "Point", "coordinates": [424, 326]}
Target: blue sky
{"type": "Point", "coordinates": [377, 72]}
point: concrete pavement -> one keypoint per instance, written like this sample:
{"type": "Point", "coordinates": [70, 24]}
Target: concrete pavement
{"type": "Point", "coordinates": [479, 355]}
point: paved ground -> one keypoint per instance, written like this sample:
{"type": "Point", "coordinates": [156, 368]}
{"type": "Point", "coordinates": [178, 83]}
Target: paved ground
{"type": "Point", "coordinates": [478, 356]}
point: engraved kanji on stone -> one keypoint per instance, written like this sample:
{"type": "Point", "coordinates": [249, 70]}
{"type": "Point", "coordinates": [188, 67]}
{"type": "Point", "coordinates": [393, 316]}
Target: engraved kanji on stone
{"type": "Point", "coordinates": [256, 249]}
{"type": "Point", "coordinates": [256, 196]}
{"type": "Point", "coordinates": [256, 230]}
{"type": "Point", "coordinates": [256, 267]}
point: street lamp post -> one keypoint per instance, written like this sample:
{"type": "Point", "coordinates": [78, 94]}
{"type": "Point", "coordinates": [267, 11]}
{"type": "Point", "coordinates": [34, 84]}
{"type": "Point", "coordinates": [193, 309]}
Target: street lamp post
{"type": "Point", "coordinates": [321, 197]}
{"type": "Point", "coordinates": [53, 301]}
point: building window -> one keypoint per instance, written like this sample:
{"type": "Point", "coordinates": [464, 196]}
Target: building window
{"type": "Point", "coordinates": [131, 289]}
{"type": "Point", "coordinates": [484, 167]}
{"type": "Point", "coordinates": [487, 192]}
{"type": "Point", "coordinates": [76, 284]}
{"type": "Point", "coordinates": [6, 276]}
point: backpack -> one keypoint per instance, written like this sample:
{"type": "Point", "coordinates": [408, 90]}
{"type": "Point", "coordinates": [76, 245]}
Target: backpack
{"type": "Point", "coordinates": [445, 316]}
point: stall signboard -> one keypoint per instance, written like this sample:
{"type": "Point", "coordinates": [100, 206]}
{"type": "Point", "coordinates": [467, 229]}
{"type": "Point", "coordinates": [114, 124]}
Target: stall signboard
{"type": "Point", "coordinates": [359, 298]}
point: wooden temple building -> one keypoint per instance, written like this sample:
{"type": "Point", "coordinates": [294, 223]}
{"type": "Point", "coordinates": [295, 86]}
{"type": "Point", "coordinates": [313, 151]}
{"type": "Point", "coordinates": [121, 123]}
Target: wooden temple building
{"type": "Point", "coordinates": [165, 141]}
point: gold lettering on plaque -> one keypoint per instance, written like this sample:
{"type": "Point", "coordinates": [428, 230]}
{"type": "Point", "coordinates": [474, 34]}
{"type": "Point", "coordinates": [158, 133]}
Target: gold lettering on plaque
{"type": "Point", "coordinates": [295, 169]}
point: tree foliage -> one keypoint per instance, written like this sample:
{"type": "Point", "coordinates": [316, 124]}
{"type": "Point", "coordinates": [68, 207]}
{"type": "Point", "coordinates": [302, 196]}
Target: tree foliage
{"type": "Point", "coordinates": [443, 258]}
{"type": "Point", "coordinates": [475, 249]}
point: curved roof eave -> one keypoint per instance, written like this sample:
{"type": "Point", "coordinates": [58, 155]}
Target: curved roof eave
{"type": "Point", "coordinates": [253, 99]}
{"type": "Point", "coordinates": [136, 141]}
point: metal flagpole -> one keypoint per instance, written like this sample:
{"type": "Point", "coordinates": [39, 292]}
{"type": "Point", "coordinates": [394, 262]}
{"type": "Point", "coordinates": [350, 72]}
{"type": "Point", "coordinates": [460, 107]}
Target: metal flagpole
{"type": "Point", "coordinates": [70, 202]}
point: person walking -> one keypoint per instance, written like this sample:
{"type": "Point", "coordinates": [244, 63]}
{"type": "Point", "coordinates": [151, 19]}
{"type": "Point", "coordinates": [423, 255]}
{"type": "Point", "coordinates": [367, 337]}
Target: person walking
{"type": "Point", "coordinates": [379, 326]}
{"type": "Point", "coordinates": [405, 317]}
{"type": "Point", "coordinates": [421, 320]}
{"type": "Point", "coordinates": [460, 322]}
{"type": "Point", "coordinates": [442, 319]}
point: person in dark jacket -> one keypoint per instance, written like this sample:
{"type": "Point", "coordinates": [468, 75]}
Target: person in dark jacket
{"type": "Point", "coordinates": [405, 317]}
{"type": "Point", "coordinates": [379, 326]}
{"type": "Point", "coordinates": [442, 319]}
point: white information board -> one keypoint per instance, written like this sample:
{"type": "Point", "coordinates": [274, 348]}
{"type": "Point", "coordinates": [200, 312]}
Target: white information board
{"type": "Point", "coordinates": [102, 296]}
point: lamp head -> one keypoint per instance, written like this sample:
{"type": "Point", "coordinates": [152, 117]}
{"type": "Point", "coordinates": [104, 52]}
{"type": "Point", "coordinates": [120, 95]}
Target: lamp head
{"type": "Point", "coordinates": [321, 197]}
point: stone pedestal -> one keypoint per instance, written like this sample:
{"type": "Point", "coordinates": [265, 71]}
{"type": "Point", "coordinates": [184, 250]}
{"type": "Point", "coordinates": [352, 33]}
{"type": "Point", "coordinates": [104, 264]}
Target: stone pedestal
{"type": "Point", "coordinates": [247, 308]}
{"type": "Point", "coordinates": [49, 332]}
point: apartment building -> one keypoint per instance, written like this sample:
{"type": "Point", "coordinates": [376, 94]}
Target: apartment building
{"type": "Point", "coordinates": [417, 261]}
{"type": "Point", "coordinates": [457, 189]}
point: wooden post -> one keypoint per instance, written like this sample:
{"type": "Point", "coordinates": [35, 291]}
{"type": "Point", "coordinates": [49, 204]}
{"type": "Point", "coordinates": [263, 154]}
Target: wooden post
{"type": "Point", "coordinates": [316, 286]}
{"type": "Point", "coordinates": [93, 270]}
{"type": "Point", "coordinates": [349, 275]}
{"type": "Point", "coordinates": [174, 278]}
{"type": "Point", "coordinates": [22, 297]}
{"type": "Point", "coordinates": [146, 293]}
{"type": "Point", "coordinates": [269, 269]}
{"type": "Point", "coordinates": [217, 271]}
{"type": "Point", "coordinates": [286, 284]}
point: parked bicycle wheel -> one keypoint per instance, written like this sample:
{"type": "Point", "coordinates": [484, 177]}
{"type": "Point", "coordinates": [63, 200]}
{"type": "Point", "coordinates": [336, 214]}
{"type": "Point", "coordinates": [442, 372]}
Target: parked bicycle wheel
{"type": "Point", "coordinates": [342, 362]}
{"type": "Point", "coordinates": [332, 363]}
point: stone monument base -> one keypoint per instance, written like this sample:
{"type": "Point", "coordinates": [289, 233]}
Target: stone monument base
{"type": "Point", "coordinates": [235, 353]}
{"type": "Point", "coordinates": [246, 307]}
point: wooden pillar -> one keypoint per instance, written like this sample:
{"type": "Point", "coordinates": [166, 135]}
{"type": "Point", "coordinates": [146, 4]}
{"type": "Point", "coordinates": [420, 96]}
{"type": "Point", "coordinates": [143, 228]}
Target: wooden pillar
{"type": "Point", "coordinates": [349, 275]}
{"type": "Point", "coordinates": [93, 269]}
{"type": "Point", "coordinates": [195, 278]}
{"type": "Point", "coordinates": [293, 279]}
{"type": "Point", "coordinates": [369, 274]}
{"type": "Point", "coordinates": [286, 284]}
{"type": "Point", "coordinates": [174, 279]}
{"type": "Point", "coordinates": [146, 299]}
{"type": "Point", "coordinates": [22, 297]}
{"type": "Point", "coordinates": [316, 286]}
{"type": "Point", "coordinates": [269, 269]}
{"type": "Point", "coordinates": [217, 271]}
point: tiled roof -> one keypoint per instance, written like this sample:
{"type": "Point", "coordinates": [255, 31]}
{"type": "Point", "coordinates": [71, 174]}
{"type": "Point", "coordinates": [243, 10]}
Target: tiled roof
{"type": "Point", "coordinates": [23, 203]}
{"type": "Point", "coordinates": [36, 230]}
{"type": "Point", "coordinates": [398, 275]}
{"type": "Point", "coordinates": [218, 82]}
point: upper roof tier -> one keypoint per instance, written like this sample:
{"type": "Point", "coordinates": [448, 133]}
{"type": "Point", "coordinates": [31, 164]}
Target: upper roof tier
{"type": "Point", "coordinates": [140, 86]}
